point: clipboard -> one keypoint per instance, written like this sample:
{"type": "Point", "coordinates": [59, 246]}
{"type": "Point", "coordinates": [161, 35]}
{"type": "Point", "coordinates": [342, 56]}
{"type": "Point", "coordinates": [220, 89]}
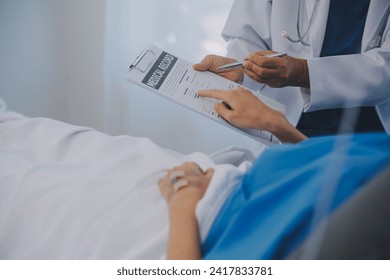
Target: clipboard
{"type": "Point", "coordinates": [143, 61]}
{"type": "Point", "coordinates": [173, 78]}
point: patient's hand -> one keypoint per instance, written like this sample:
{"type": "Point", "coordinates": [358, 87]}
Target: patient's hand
{"type": "Point", "coordinates": [212, 62]}
{"type": "Point", "coordinates": [182, 187]}
{"type": "Point", "coordinates": [185, 184]}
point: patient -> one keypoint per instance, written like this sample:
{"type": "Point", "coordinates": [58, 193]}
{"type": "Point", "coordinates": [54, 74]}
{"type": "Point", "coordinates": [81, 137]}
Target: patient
{"type": "Point", "coordinates": [272, 210]}
{"type": "Point", "coordinates": [69, 192]}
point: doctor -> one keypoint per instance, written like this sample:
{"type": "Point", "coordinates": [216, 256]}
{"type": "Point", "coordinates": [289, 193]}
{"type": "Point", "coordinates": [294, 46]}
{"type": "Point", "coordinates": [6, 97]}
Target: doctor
{"type": "Point", "coordinates": [338, 57]}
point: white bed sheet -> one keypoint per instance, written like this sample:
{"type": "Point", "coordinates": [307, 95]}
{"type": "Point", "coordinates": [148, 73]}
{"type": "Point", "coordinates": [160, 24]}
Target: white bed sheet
{"type": "Point", "coordinates": [69, 192]}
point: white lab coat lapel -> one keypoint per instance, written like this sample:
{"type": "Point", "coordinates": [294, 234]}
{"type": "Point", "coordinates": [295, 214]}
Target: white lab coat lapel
{"type": "Point", "coordinates": [376, 12]}
{"type": "Point", "coordinates": [318, 29]}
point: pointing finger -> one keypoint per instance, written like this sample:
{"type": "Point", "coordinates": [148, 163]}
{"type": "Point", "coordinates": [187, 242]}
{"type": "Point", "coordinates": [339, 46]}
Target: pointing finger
{"type": "Point", "coordinates": [216, 94]}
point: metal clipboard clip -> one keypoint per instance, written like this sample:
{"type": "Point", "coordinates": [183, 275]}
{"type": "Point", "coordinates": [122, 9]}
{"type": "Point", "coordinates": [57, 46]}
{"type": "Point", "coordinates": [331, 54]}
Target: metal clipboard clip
{"type": "Point", "coordinates": [143, 61]}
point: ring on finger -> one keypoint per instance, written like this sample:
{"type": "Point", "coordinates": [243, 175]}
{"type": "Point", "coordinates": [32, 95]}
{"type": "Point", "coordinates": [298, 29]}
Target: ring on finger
{"type": "Point", "coordinates": [176, 179]}
{"type": "Point", "coordinates": [181, 183]}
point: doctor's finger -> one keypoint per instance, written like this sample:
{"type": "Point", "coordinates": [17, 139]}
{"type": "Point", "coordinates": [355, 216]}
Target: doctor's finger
{"type": "Point", "coordinates": [205, 64]}
{"type": "Point", "coordinates": [274, 82]}
{"type": "Point", "coordinates": [260, 74]}
{"type": "Point", "coordinates": [224, 111]}
{"type": "Point", "coordinates": [265, 62]}
{"type": "Point", "coordinates": [210, 62]}
{"type": "Point", "coordinates": [260, 70]}
{"type": "Point", "coordinates": [215, 94]}
{"type": "Point", "coordinates": [255, 77]}
{"type": "Point", "coordinates": [261, 53]}
{"type": "Point", "coordinates": [201, 67]}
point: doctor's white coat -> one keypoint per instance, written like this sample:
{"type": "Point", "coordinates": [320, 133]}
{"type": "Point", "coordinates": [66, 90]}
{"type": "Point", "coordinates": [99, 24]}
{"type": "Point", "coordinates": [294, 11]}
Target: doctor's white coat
{"type": "Point", "coordinates": [340, 81]}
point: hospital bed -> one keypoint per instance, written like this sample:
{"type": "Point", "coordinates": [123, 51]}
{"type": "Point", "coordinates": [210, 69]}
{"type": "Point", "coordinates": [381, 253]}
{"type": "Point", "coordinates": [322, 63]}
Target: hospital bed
{"type": "Point", "coordinates": [69, 192]}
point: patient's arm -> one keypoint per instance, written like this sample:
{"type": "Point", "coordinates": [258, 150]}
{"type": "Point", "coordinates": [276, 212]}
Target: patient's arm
{"type": "Point", "coordinates": [243, 109]}
{"type": "Point", "coordinates": [183, 234]}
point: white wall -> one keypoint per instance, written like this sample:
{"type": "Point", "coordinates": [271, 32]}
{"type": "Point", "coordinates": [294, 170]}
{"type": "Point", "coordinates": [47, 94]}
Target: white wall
{"type": "Point", "coordinates": [52, 55]}
{"type": "Point", "coordinates": [187, 28]}
{"type": "Point", "coordinates": [31, 55]}
{"type": "Point", "coordinates": [66, 59]}
{"type": "Point", "coordinates": [84, 22]}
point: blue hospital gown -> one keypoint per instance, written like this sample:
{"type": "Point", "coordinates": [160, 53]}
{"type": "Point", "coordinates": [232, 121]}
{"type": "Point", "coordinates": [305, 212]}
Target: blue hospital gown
{"type": "Point", "coordinates": [273, 210]}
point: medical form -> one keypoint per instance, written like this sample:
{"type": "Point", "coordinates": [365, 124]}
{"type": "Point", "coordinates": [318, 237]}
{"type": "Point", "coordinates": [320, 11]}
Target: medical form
{"type": "Point", "coordinates": [174, 78]}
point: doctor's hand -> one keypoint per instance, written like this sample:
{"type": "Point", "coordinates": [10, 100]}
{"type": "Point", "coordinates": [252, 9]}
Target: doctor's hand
{"type": "Point", "coordinates": [242, 108]}
{"type": "Point", "coordinates": [185, 185]}
{"type": "Point", "coordinates": [277, 71]}
{"type": "Point", "coordinates": [212, 62]}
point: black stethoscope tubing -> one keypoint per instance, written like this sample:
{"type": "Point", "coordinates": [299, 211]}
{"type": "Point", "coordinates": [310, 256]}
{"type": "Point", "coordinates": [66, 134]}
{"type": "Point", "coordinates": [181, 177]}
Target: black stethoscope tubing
{"type": "Point", "coordinates": [375, 42]}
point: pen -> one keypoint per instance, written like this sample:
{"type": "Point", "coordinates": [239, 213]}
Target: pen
{"type": "Point", "coordinates": [240, 63]}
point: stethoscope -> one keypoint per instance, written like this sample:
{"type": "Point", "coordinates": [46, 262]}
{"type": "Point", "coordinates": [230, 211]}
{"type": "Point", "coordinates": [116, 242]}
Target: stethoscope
{"type": "Point", "coordinates": [301, 37]}
{"type": "Point", "coordinates": [375, 42]}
